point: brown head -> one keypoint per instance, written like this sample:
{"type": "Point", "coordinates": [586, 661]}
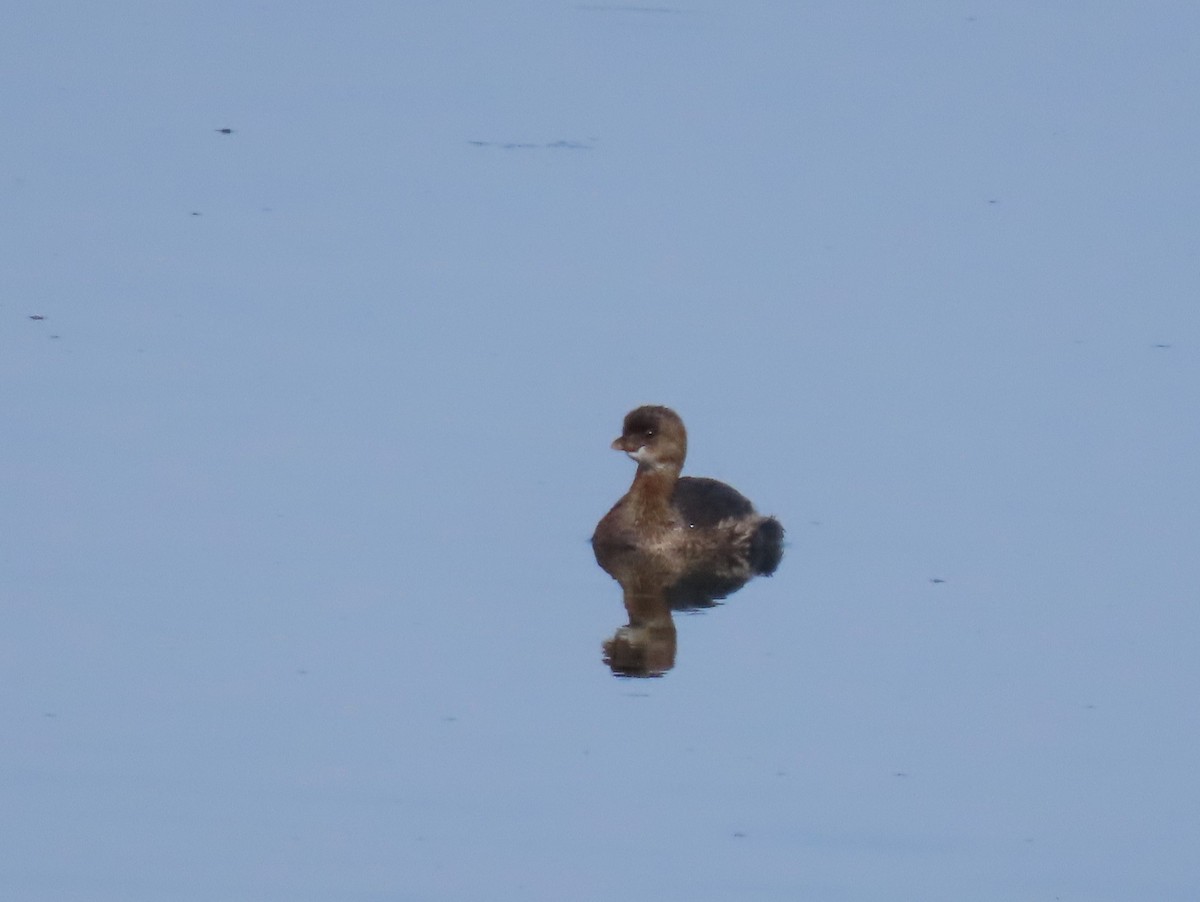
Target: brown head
{"type": "Point", "coordinates": [654, 437]}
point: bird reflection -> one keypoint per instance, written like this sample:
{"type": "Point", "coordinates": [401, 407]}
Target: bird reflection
{"type": "Point", "coordinates": [654, 585]}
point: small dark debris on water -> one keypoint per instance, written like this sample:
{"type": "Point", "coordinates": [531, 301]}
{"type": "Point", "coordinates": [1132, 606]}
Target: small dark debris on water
{"type": "Point", "coordinates": [225, 131]}
{"type": "Point", "coordinates": [529, 145]}
{"type": "Point", "coordinates": [36, 316]}
{"type": "Point", "coordinates": [936, 580]}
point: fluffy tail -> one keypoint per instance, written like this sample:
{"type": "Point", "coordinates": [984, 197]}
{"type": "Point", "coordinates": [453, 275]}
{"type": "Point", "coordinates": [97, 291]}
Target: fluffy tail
{"type": "Point", "coordinates": [766, 546]}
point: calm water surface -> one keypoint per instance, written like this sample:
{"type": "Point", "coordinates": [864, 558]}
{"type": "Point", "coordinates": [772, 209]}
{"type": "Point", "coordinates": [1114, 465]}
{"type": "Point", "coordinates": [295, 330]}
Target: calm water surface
{"type": "Point", "coordinates": [302, 452]}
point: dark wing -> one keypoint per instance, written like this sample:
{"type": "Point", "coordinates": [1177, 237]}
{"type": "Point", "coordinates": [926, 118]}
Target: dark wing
{"type": "Point", "coordinates": [706, 502]}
